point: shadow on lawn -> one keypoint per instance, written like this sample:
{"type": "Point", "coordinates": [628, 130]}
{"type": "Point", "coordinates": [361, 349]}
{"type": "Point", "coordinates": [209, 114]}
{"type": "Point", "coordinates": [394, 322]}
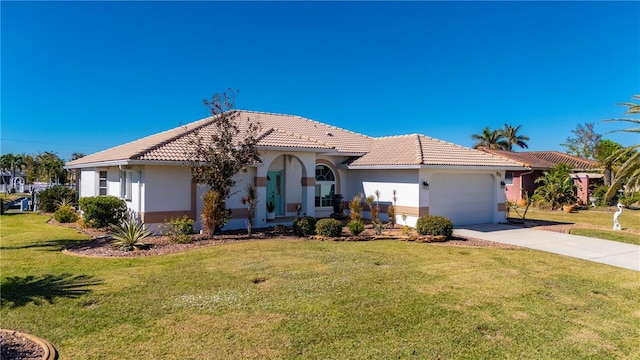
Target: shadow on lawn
{"type": "Point", "coordinates": [49, 245]}
{"type": "Point", "coordinates": [534, 223]}
{"type": "Point", "coordinates": [18, 291]}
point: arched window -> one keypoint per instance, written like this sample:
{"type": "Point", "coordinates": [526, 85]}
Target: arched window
{"type": "Point", "coordinates": [325, 186]}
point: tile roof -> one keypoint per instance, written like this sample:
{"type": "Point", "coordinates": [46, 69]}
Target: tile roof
{"type": "Point", "coordinates": [277, 130]}
{"type": "Point", "coordinates": [419, 149]}
{"type": "Point", "coordinates": [545, 159]}
{"type": "Point", "coordinates": [288, 131]}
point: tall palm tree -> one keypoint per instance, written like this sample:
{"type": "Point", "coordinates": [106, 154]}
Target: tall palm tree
{"type": "Point", "coordinates": [629, 172]}
{"type": "Point", "coordinates": [492, 139]}
{"type": "Point", "coordinates": [510, 134]}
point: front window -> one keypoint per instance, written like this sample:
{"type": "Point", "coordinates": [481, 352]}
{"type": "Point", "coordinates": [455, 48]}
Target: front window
{"type": "Point", "coordinates": [125, 185]}
{"type": "Point", "coordinates": [102, 183]}
{"type": "Point", "coordinates": [508, 178]}
{"type": "Point", "coordinates": [325, 186]}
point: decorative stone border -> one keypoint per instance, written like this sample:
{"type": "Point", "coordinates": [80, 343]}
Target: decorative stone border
{"type": "Point", "coordinates": [50, 353]}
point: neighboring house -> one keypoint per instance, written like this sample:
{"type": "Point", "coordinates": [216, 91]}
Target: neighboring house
{"type": "Point", "coordinates": [584, 172]}
{"type": "Point", "coordinates": [305, 163]}
{"type": "Point", "coordinates": [12, 182]}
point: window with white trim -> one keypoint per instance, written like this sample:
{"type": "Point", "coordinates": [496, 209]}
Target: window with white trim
{"type": "Point", "coordinates": [102, 183]}
{"type": "Point", "coordinates": [125, 185]}
{"type": "Point", "coordinates": [325, 186]}
{"type": "Point", "coordinates": [508, 177]}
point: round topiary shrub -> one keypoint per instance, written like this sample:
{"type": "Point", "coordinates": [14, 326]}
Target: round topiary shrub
{"type": "Point", "coordinates": [434, 226]}
{"type": "Point", "coordinates": [355, 227]}
{"type": "Point", "coordinates": [329, 227]}
{"type": "Point", "coordinates": [66, 214]}
{"type": "Point", "coordinates": [304, 226]}
{"type": "Point", "coordinates": [101, 211]}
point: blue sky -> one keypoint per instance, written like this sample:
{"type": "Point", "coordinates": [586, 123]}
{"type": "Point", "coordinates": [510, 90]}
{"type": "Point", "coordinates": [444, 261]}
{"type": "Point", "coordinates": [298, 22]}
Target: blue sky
{"type": "Point", "coordinates": [86, 76]}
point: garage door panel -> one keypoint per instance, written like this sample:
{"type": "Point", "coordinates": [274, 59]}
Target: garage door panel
{"type": "Point", "coordinates": [463, 198]}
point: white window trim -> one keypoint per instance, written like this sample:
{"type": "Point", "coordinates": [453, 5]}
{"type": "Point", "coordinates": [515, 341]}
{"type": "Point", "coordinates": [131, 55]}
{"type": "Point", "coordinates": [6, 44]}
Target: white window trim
{"type": "Point", "coordinates": [126, 187]}
{"type": "Point", "coordinates": [326, 183]}
{"type": "Point", "coordinates": [506, 179]}
{"type": "Point", "coordinates": [106, 182]}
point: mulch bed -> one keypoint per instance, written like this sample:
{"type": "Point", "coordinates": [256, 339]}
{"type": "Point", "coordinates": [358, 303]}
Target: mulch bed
{"type": "Point", "coordinates": [16, 347]}
{"type": "Point", "coordinates": [99, 245]}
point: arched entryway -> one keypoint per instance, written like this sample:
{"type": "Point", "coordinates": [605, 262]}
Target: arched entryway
{"type": "Point", "coordinates": [284, 185]}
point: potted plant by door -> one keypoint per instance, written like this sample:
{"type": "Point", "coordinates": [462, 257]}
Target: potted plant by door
{"type": "Point", "coordinates": [271, 207]}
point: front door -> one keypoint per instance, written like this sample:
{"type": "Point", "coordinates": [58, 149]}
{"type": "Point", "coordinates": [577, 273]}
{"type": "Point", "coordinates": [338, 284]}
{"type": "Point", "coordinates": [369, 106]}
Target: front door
{"type": "Point", "coordinates": [274, 190]}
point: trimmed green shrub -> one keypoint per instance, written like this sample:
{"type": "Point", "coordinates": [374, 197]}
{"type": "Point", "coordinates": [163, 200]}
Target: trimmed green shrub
{"type": "Point", "coordinates": [329, 227]}
{"type": "Point", "coordinates": [434, 226]}
{"type": "Point", "coordinates": [178, 229]}
{"type": "Point", "coordinates": [102, 211]}
{"type": "Point", "coordinates": [48, 199]}
{"type": "Point", "coordinates": [355, 227]}
{"type": "Point", "coordinates": [629, 200]}
{"type": "Point", "coordinates": [304, 226]}
{"type": "Point", "coordinates": [66, 214]}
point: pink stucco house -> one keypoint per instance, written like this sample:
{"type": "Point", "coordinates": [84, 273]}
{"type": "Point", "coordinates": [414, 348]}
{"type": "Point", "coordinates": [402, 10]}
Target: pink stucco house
{"type": "Point", "coordinates": [585, 172]}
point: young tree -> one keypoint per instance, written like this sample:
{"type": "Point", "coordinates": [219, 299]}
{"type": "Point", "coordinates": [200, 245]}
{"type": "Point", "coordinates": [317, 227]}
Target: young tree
{"type": "Point", "coordinates": [584, 142]}
{"type": "Point", "coordinates": [492, 139]}
{"type": "Point", "coordinates": [512, 138]}
{"type": "Point", "coordinates": [221, 150]}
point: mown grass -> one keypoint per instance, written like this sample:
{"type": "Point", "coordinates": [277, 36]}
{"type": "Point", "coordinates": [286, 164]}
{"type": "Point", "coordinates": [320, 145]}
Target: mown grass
{"type": "Point", "coordinates": [311, 299]}
{"type": "Point", "coordinates": [629, 219]}
{"type": "Point", "coordinates": [620, 236]}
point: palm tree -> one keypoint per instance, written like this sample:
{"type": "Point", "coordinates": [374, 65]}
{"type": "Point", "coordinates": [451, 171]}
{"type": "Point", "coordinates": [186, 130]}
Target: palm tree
{"type": "Point", "coordinates": [492, 139]}
{"type": "Point", "coordinates": [556, 187]}
{"type": "Point", "coordinates": [12, 163]}
{"type": "Point", "coordinates": [510, 133]}
{"type": "Point", "coordinates": [629, 171]}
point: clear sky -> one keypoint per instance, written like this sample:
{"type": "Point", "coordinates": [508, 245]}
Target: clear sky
{"type": "Point", "coordinates": [86, 76]}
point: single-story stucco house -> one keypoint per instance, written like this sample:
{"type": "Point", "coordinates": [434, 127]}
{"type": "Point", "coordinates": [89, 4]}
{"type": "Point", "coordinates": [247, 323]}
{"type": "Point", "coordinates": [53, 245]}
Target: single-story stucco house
{"type": "Point", "coordinates": [585, 172]}
{"type": "Point", "coordinates": [304, 164]}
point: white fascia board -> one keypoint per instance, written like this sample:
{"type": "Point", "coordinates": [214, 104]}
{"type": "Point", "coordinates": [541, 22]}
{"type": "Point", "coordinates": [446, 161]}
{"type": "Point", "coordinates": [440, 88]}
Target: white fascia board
{"type": "Point", "coordinates": [383, 167]}
{"type": "Point", "coordinates": [296, 149]}
{"type": "Point", "coordinates": [451, 167]}
{"type": "Point", "coordinates": [125, 163]}
{"type": "Point", "coordinates": [491, 168]}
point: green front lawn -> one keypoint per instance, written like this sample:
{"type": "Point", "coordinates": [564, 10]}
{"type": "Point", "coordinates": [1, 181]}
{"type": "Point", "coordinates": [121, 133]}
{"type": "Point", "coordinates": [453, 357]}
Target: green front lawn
{"type": "Point", "coordinates": [313, 299]}
{"type": "Point", "coordinates": [620, 236]}
{"type": "Point", "coordinates": [602, 217]}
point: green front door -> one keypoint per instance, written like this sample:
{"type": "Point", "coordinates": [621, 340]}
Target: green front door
{"type": "Point", "coordinates": [274, 190]}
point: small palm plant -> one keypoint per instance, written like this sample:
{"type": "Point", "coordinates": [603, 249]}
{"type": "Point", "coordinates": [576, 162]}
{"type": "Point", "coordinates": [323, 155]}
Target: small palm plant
{"type": "Point", "coordinates": [129, 235]}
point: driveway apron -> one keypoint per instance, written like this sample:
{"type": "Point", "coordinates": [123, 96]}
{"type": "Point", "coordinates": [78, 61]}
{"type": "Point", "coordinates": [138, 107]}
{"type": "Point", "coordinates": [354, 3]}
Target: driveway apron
{"type": "Point", "coordinates": [603, 251]}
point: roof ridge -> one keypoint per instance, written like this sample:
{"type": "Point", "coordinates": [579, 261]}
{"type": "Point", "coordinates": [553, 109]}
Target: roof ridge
{"type": "Point", "coordinates": [420, 152]}
{"type": "Point", "coordinates": [306, 119]}
{"type": "Point", "coordinates": [204, 122]}
{"type": "Point", "coordinates": [300, 136]}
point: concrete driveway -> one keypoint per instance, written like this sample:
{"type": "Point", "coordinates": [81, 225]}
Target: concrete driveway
{"type": "Point", "coordinates": [603, 251]}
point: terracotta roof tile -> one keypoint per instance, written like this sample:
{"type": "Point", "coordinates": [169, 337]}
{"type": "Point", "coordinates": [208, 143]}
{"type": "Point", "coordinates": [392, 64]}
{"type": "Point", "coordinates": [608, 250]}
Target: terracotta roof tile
{"type": "Point", "coordinates": [277, 130]}
{"type": "Point", "coordinates": [423, 150]}
{"type": "Point", "coordinates": [545, 159]}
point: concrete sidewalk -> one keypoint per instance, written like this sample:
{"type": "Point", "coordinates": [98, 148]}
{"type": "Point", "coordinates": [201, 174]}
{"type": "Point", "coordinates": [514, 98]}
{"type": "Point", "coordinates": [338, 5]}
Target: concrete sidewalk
{"type": "Point", "coordinates": [603, 251]}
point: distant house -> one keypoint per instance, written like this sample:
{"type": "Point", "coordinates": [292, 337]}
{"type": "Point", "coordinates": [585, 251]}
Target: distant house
{"type": "Point", "coordinates": [305, 164]}
{"type": "Point", "coordinates": [12, 182]}
{"type": "Point", "coordinates": [584, 172]}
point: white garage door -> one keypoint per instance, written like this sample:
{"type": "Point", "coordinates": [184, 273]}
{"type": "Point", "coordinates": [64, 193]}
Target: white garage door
{"type": "Point", "coordinates": [464, 198]}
